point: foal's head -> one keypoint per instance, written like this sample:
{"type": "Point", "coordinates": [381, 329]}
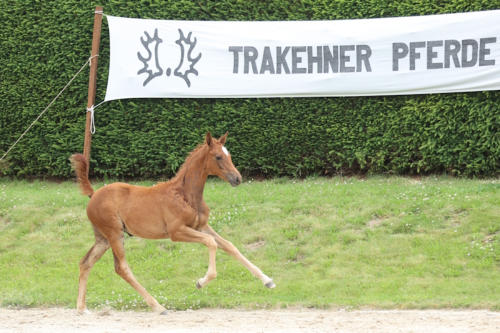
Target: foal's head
{"type": "Point", "coordinates": [219, 161]}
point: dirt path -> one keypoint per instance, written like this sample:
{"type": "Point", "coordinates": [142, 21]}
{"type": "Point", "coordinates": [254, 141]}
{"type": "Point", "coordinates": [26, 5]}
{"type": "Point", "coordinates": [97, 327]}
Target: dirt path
{"type": "Point", "coordinates": [54, 320]}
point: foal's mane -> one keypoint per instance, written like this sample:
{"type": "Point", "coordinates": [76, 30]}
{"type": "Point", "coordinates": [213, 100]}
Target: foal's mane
{"type": "Point", "coordinates": [189, 159]}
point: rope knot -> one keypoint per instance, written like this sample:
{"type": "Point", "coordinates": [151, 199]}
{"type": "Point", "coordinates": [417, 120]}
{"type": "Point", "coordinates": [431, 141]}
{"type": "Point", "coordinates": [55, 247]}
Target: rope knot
{"type": "Point", "coordinates": [92, 124]}
{"type": "Point", "coordinates": [90, 59]}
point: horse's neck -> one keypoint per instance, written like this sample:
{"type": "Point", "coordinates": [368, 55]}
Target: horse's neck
{"type": "Point", "coordinates": [193, 179]}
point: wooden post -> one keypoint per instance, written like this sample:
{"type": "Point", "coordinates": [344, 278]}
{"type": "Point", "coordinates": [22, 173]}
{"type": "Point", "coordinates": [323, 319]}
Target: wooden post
{"type": "Point", "coordinates": [94, 57]}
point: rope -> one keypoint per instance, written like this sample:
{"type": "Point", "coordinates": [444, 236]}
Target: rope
{"type": "Point", "coordinates": [48, 106]}
{"type": "Point", "coordinates": [92, 124]}
{"type": "Point", "coordinates": [92, 121]}
{"type": "Point", "coordinates": [90, 59]}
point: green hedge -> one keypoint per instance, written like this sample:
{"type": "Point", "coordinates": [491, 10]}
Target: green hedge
{"type": "Point", "coordinates": [43, 43]}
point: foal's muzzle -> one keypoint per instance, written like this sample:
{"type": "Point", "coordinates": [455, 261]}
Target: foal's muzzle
{"type": "Point", "coordinates": [234, 179]}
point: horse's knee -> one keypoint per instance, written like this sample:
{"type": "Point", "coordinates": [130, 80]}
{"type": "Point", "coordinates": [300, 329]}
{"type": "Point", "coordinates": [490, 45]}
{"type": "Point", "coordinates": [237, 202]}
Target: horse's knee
{"type": "Point", "coordinates": [230, 246]}
{"type": "Point", "coordinates": [211, 243]}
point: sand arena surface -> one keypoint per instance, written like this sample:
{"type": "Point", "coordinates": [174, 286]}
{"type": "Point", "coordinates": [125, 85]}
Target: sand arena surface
{"type": "Point", "coordinates": [54, 320]}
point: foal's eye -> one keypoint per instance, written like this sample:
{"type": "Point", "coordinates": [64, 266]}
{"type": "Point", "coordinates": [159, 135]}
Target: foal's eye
{"type": "Point", "coordinates": [218, 157]}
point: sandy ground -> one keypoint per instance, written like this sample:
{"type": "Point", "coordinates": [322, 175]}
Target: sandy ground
{"type": "Point", "coordinates": [54, 320]}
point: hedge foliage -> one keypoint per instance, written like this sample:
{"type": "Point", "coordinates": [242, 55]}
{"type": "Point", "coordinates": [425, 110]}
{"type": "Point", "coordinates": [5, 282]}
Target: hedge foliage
{"type": "Point", "coordinates": [43, 43]}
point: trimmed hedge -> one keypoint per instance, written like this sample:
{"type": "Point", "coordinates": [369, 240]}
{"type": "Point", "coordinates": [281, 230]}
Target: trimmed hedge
{"type": "Point", "coordinates": [44, 43]}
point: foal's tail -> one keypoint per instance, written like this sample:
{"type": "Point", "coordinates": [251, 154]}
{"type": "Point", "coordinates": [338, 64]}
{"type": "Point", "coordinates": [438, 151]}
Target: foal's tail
{"type": "Point", "coordinates": [80, 165]}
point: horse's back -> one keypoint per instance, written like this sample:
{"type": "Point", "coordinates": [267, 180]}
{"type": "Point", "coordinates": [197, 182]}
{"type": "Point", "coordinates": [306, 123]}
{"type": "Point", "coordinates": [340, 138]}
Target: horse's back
{"type": "Point", "coordinates": [113, 193]}
{"type": "Point", "coordinates": [138, 207]}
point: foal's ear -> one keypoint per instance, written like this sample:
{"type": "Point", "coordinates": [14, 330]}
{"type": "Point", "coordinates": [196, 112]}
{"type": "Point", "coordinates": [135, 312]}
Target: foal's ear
{"type": "Point", "coordinates": [208, 138]}
{"type": "Point", "coordinates": [223, 138]}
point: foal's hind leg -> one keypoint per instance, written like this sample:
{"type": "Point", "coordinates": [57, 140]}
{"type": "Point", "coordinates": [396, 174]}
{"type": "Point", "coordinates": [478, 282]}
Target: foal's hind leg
{"type": "Point", "coordinates": [94, 254]}
{"type": "Point", "coordinates": [122, 269]}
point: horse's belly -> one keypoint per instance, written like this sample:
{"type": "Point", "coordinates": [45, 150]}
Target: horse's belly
{"type": "Point", "coordinates": [145, 224]}
{"type": "Point", "coordinates": [146, 230]}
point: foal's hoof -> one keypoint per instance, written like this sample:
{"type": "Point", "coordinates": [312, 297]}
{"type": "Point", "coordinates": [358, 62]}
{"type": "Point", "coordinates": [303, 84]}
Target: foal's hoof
{"type": "Point", "coordinates": [164, 313]}
{"type": "Point", "coordinates": [83, 312]}
{"type": "Point", "coordinates": [270, 284]}
{"type": "Point", "coordinates": [198, 285]}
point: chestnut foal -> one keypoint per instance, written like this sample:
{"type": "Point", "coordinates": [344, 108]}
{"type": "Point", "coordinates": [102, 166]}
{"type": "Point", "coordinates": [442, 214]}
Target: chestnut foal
{"type": "Point", "coordinates": [174, 209]}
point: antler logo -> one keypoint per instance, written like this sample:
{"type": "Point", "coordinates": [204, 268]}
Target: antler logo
{"type": "Point", "coordinates": [189, 60]}
{"type": "Point", "coordinates": [145, 60]}
{"type": "Point", "coordinates": [186, 61]}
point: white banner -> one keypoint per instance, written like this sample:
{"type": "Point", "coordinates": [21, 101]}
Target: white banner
{"type": "Point", "coordinates": [386, 56]}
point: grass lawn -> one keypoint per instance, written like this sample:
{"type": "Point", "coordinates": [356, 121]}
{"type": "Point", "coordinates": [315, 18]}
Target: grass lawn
{"type": "Point", "coordinates": [382, 242]}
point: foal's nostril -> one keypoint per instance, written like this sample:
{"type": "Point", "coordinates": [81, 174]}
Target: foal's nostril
{"type": "Point", "coordinates": [235, 180]}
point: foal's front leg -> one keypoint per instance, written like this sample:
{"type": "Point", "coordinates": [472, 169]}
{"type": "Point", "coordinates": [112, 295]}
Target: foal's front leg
{"type": "Point", "coordinates": [228, 247]}
{"type": "Point", "coordinates": [187, 234]}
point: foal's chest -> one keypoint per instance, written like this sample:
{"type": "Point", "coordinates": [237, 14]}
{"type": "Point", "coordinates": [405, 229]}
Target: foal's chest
{"type": "Point", "coordinates": [196, 222]}
{"type": "Point", "coordinates": [199, 219]}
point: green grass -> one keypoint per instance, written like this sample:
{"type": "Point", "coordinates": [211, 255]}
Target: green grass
{"type": "Point", "coordinates": [340, 242]}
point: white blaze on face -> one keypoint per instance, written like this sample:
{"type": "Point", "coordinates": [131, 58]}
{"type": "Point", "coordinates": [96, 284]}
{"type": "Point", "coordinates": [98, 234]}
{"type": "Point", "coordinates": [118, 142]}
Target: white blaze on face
{"type": "Point", "coordinates": [224, 149]}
